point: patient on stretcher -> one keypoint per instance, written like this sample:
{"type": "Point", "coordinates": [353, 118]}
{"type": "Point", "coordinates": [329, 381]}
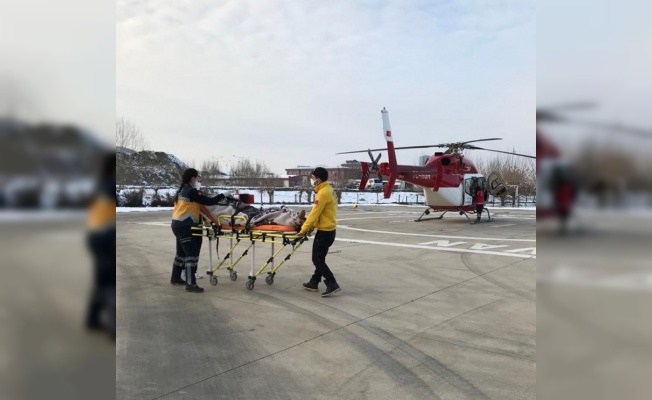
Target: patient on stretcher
{"type": "Point", "coordinates": [237, 214]}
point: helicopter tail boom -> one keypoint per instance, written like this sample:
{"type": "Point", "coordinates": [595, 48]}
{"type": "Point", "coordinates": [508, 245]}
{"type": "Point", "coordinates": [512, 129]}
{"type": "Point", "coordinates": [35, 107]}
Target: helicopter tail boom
{"type": "Point", "coordinates": [365, 175]}
{"type": "Point", "coordinates": [391, 154]}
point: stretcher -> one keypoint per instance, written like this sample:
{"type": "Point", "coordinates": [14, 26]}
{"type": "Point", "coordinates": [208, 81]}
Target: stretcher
{"type": "Point", "coordinates": [235, 229]}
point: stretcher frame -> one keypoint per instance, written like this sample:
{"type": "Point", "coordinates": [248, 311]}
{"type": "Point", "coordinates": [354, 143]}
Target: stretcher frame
{"type": "Point", "coordinates": [214, 229]}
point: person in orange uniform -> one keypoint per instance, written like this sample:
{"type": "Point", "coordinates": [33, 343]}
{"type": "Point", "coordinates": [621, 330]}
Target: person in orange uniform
{"type": "Point", "coordinates": [187, 203]}
{"type": "Point", "coordinates": [322, 216]}
{"type": "Point", "coordinates": [102, 245]}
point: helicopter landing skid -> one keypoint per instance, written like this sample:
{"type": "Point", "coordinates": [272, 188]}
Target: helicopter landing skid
{"type": "Point", "coordinates": [427, 212]}
{"type": "Point", "coordinates": [477, 221]}
{"type": "Point", "coordinates": [462, 212]}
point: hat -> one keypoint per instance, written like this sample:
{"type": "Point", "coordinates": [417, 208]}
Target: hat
{"type": "Point", "coordinates": [320, 173]}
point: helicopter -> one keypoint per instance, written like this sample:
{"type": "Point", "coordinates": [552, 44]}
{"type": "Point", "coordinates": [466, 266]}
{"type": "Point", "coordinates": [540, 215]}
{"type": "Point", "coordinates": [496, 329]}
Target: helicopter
{"type": "Point", "coordinates": [556, 169]}
{"type": "Point", "coordinates": [448, 178]}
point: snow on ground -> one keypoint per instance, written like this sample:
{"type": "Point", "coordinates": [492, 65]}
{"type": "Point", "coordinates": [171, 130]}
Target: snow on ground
{"type": "Point", "coordinates": [155, 209]}
{"type": "Point", "coordinates": [292, 197]}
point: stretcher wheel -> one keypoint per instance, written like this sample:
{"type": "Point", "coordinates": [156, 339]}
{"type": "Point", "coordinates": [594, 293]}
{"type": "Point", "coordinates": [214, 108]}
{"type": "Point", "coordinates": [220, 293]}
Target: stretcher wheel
{"type": "Point", "coordinates": [213, 280]}
{"type": "Point", "coordinates": [270, 279]}
{"type": "Point", "coordinates": [250, 284]}
{"type": "Point", "coordinates": [233, 275]}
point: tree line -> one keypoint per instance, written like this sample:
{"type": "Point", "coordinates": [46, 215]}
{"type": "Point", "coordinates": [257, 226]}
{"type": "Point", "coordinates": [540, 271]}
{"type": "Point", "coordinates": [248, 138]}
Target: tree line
{"type": "Point", "coordinates": [518, 173]}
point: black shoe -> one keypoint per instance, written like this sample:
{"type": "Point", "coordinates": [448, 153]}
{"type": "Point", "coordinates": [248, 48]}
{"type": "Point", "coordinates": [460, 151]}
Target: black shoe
{"type": "Point", "coordinates": [313, 287]}
{"type": "Point", "coordinates": [94, 326]}
{"type": "Point", "coordinates": [330, 289]}
{"type": "Point", "coordinates": [177, 281]}
{"type": "Point", "coordinates": [194, 289]}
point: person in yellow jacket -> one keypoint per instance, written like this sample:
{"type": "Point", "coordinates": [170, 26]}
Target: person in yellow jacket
{"type": "Point", "coordinates": [322, 216]}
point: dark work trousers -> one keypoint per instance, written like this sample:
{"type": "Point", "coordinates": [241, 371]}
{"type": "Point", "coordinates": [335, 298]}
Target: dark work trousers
{"type": "Point", "coordinates": [479, 208]}
{"type": "Point", "coordinates": [320, 245]}
{"type": "Point", "coordinates": [187, 256]}
{"type": "Point", "coordinates": [102, 300]}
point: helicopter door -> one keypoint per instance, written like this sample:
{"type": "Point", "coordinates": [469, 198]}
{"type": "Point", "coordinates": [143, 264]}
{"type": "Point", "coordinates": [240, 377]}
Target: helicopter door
{"type": "Point", "coordinates": [470, 187]}
{"type": "Point", "coordinates": [496, 184]}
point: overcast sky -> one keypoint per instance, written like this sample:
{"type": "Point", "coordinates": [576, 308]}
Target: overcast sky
{"type": "Point", "coordinates": [596, 51]}
{"type": "Point", "coordinates": [294, 82]}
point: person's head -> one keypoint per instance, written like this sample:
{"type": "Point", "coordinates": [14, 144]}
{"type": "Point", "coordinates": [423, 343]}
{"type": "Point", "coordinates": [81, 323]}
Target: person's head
{"type": "Point", "coordinates": [318, 176]}
{"type": "Point", "coordinates": [190, 177]}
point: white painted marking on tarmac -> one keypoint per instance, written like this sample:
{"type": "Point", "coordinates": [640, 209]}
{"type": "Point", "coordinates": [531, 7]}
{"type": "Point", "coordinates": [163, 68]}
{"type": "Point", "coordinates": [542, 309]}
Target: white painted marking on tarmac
{"type": "Point", "coordinates": [532, 250]}
{"type": "Point", "coordinates": [499, 216]}
{"type": "Point", "coordinates": [351, 219]}
{"type": "Point", "coordinates": [482, 246]}
{"type": "Point", "coordinates": [434, 236]}
{"type": "Point", "coordinates": [632, 281]}
{"type": "Point", "coordinates": [151, 223]}
{"type": "Point", "coordinates": [501, 226]}
{"type": "Point", "coordinates": [442, 243]}
{"type": "Point", "coordinates": [417, 246]}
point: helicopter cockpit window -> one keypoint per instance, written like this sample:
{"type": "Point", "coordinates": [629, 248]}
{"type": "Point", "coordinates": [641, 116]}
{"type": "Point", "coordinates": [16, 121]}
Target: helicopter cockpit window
{"type": "Point", "coordinates": [470, 185]}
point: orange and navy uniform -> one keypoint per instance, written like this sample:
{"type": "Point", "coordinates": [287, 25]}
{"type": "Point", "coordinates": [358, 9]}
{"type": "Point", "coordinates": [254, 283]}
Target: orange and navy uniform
{"type": "Point", "coordinates": [101, 214]}
{"type": "Point", "coordinates": [186, 208]}
{"type": "Point", "coordinates": [102, 244]}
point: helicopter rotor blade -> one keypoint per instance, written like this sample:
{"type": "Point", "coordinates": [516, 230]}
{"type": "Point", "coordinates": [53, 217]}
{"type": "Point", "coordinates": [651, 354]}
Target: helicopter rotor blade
{"type": "Point", "coordinates": [500, 151]}
{"type": "Point", "coordinates": [371, 156]}
{"type": "Point", "coordinates": [614, 127]}
{"type": "Point", "coordinates": [480, 140]}
{"type": "Point", "coordinates": [449, 146]}
{"type": "Point", "coordinates": [361, 151]}
{"type": "Point", "coordinates": [569, 106]}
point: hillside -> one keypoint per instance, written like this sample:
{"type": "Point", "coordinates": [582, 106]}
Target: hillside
{"type": "Point", "coordinates": [154, 168]}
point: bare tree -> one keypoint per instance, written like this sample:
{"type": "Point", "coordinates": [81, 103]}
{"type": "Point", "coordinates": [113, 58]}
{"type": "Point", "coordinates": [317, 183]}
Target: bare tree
{"type": "Point", "coordinates": [338, 188]}
{"type": "Point", "coordinates": [515, 171]}
{"type": "Point", "coordinates": [129, 136]}
{"type": "Point", "coordinates": [212, 165]}
{"type": "Point", "coordinates": [246, 172]}
{"type": "Point", "coordinates": [210, 169]}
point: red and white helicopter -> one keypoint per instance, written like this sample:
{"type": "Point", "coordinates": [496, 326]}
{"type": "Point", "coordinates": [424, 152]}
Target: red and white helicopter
{"type": "Point", "coordinates": [447, 177]}
{"type": "Point", "coordinates": [553, 166]}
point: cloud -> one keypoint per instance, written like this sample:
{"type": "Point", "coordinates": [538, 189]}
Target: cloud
{"type": "Point", "coordinates": [286, 71]}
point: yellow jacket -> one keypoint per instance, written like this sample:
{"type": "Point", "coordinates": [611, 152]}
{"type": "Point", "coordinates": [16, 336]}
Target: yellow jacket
{"type": "Point", "coordinates": [322, 215]}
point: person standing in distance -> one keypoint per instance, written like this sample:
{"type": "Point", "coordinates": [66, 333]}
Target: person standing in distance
{"type": "Point", "coordinates": [322, 216]}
